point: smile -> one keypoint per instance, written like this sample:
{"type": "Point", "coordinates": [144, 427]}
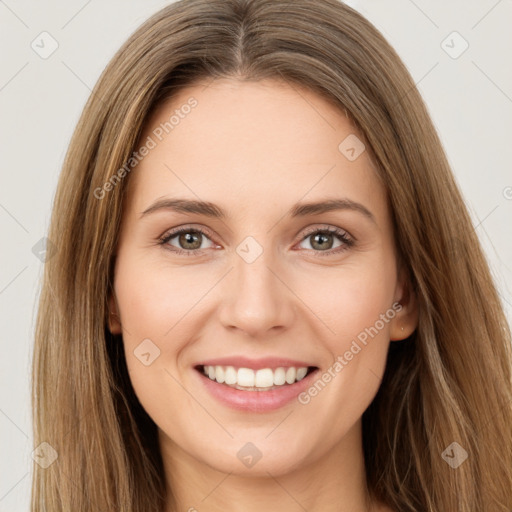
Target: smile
{"type": "Point", "coordinates": [254, 385]}
{"type": "Point", "coordinates": [247, 379]}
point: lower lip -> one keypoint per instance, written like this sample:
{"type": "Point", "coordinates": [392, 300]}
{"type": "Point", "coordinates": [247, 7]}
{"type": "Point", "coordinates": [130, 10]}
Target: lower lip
{"type": "Point", "coordinates": [255, 401]}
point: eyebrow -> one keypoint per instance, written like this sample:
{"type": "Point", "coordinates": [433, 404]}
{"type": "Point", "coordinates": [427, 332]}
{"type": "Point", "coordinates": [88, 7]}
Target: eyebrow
{"type": "Point", "coordinates": [298, 210]}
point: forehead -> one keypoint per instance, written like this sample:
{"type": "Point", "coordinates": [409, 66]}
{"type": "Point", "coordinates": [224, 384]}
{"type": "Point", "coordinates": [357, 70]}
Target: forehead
{"type": "Point", "coordinates": [239, 142]}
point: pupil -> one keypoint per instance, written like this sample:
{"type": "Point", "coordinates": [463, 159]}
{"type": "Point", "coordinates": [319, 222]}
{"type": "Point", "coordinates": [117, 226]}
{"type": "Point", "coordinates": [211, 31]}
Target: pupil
{"type": "Point", "coordinates": [187, 239]}
{"type": "Point", "coordinates": [321, 238]}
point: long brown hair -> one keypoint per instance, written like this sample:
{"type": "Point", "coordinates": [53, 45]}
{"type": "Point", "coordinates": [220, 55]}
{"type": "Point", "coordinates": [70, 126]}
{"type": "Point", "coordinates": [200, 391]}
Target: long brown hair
{"type": "Point", "coordinates": [450, 382]}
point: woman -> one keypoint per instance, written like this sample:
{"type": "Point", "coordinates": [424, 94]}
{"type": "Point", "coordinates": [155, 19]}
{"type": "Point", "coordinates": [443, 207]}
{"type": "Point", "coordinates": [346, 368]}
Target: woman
{"type": "Point", "coordinates": [268, 293]}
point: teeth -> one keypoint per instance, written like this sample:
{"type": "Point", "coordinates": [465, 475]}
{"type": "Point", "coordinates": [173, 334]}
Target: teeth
{"type": "Point", "coordinates": [263, 378]}
{"type": "Point", "coordinates": [229, 375]}
{"type": "Point", "coordinates": [301, 373]}
{"type": "Point", "coordinates": [220, 375]}
{"type": "Point", "coordinates": [291, 373]}
{"type": "Point", "coordinates": [247, 378]}
{"type": "Point", "coordinates": [279, 376]}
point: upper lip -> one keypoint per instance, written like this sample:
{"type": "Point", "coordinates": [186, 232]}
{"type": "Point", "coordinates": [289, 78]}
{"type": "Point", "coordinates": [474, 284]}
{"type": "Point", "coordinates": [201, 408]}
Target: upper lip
{"type": "Point", "coordinates": [254, 364]}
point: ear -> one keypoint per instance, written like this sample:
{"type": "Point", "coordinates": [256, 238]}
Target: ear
{"type": "Point", "coordinates": [114, 321]}
{"type": "Point", "coordinates": [406, 319]}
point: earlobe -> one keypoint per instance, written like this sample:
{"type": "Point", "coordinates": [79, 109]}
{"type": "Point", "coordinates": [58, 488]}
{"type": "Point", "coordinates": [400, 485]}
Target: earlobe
{"type": "Point", "coordinates": [114, 322]}
{"type": "Point", "coordinates": [406, 319]}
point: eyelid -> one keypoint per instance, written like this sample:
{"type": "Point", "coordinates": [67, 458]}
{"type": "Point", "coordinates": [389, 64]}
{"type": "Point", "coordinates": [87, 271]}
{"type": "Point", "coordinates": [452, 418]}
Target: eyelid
{"type": "Point", "coordinates": [325, 228]}
{"type": "Point", "coordinates": [170, 233]}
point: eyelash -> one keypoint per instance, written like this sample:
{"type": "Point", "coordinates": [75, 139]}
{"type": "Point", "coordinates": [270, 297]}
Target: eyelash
{"type": "Point", "coordinates": [342, 235]}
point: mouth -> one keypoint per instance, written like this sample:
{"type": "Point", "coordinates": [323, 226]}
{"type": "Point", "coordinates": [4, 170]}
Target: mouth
{"type": "Point", "coordinates": [256, 380]}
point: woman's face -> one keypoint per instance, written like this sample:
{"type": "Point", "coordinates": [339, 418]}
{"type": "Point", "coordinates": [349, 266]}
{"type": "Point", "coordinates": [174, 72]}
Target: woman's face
{"type": "Point", "coordinates": [258, 280]}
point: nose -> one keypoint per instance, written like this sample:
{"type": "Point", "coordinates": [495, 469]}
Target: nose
{"type": "Point", "coordinates": [256, 299]}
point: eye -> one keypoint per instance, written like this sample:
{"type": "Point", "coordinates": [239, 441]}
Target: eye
{"type": "Point", "coordinates": [324, 240]}
{"type": "Point", "coordinates": [186, 240]}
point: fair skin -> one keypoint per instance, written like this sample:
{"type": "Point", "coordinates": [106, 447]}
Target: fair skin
{"type": "Point", "coordinates": [255, 149]}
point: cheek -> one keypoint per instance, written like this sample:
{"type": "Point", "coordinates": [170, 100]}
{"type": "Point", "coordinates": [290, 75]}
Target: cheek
{"type": "Point", "coordinates": [153, 300]}
{"type": "Point", "coordinates": [348, 299]}
{"type": "Point", "coordinates": [156, 306]}
{"type": "Point", "coordinates": [354, 305]}
{"type": "Point", "coordinates": [158, 309]}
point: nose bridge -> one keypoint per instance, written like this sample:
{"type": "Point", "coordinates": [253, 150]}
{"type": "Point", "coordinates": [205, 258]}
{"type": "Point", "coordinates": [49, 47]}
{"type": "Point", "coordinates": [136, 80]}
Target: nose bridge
{"type": "Point", "coordinates": [256, 300]}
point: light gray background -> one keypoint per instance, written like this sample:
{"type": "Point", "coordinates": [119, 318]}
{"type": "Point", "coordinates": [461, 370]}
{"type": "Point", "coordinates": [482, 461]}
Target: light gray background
{"type": "Point", "coordinates": [469, 98]}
